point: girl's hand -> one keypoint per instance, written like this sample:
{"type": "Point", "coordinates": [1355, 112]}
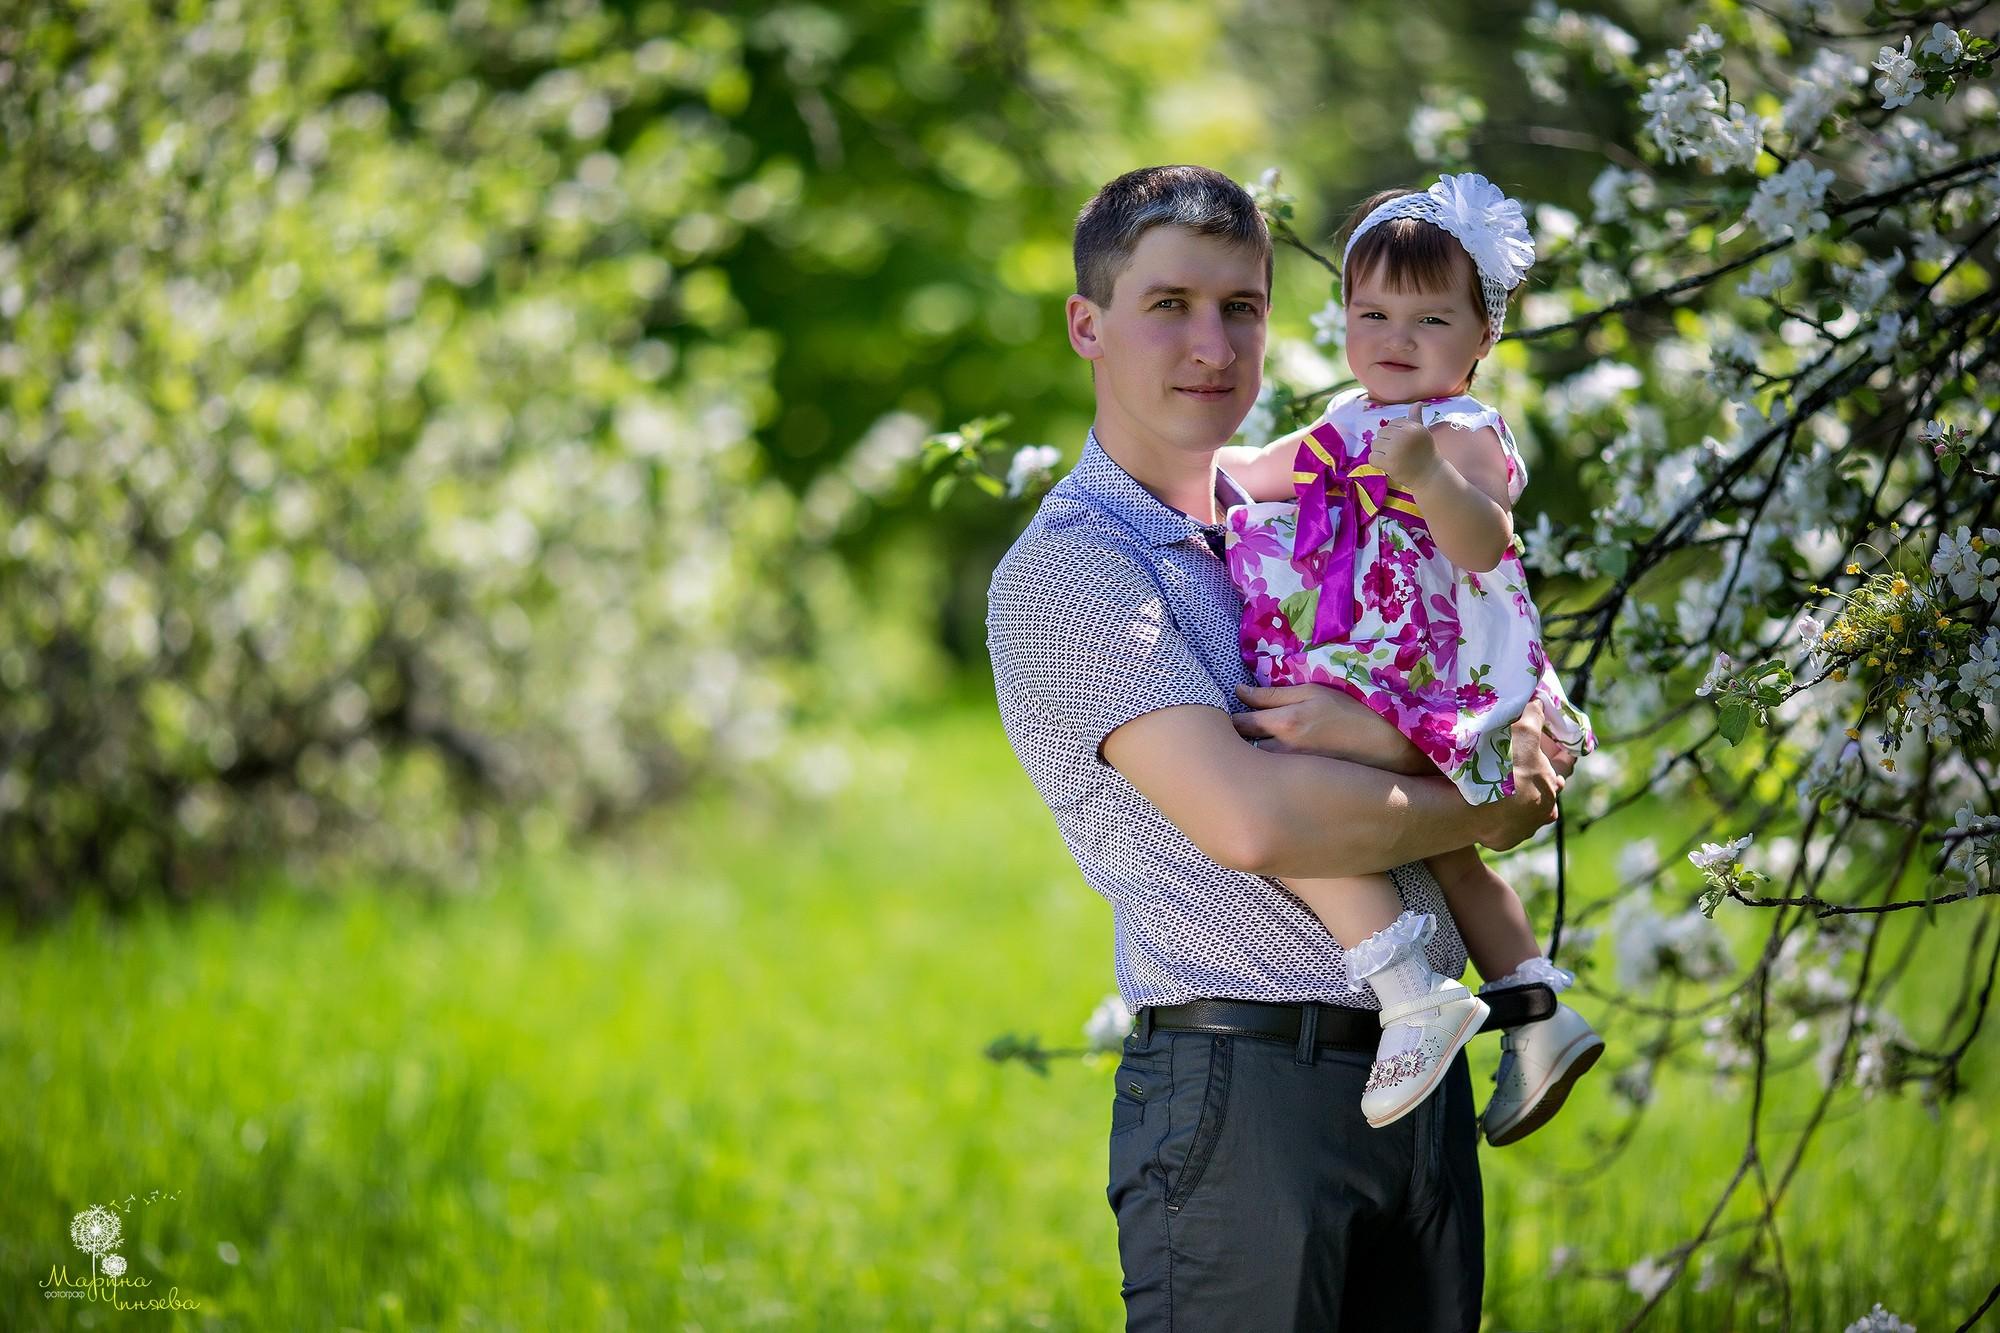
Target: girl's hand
{"type": "Point", "coordinates": [1405, 450]}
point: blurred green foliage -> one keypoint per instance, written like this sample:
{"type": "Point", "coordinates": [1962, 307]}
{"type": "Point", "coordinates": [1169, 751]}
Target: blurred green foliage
{"type": "Point", "coordinates": [426, 424]}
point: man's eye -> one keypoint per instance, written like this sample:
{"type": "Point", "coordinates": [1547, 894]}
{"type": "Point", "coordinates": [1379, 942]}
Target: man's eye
{"type": "Point", "coordinates": [1243, 306]}
{"type": "Point", "coordinates": [1163, 302]}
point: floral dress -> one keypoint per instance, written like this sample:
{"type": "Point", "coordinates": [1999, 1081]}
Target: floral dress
{"type": "Point", "coordinates": [1344, 587]}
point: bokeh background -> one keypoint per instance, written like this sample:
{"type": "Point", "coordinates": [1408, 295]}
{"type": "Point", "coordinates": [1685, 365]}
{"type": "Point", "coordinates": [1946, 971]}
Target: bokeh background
{"type": "Point", "coordinates": [501, 807]}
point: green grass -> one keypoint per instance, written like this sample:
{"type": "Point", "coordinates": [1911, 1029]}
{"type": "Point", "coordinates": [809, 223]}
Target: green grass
{"type": "Point", "coordinates": [728, 1075]}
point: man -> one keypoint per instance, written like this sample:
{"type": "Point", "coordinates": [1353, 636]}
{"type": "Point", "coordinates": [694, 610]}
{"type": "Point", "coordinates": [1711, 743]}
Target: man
{"type": "Point", "coordinates": [1249, 1192]}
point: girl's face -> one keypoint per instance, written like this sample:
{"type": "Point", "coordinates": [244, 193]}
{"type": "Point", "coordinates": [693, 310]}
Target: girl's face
{"type": "Point", "coordinates": [1406, 346]}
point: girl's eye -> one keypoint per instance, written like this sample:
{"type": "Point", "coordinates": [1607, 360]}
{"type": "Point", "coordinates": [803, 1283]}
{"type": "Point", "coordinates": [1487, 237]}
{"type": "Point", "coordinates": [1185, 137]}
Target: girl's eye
{"type": "Point", "coordinates": [1373, 314]}
{"type": "Point", "coordinates": [1433, 319]}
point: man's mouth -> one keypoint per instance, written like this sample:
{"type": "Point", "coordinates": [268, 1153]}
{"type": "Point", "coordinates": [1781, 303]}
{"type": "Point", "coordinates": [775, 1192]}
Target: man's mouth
{"type": "Point", "coordinates": [1206, 391]}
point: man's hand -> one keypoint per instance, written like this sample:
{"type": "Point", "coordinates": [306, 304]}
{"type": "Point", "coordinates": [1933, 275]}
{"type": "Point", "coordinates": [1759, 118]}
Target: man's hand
{"type": "Point", "coordinates": [1405, 450]}
{"type": "Point", "coordinates": [1540, 766]}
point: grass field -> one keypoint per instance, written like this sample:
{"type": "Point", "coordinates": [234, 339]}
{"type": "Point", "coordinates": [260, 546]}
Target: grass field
{"type": "Point", "coordinates": [729, 1075]}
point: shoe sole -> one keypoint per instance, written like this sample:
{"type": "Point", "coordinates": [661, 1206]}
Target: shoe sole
{"type": "Point", "coordinates": [1465, 1034]}
{"type": "Point", "coordinates": [1555, 1090]}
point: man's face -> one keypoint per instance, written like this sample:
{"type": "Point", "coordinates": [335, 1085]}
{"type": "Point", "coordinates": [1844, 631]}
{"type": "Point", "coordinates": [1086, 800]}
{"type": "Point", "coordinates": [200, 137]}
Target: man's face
{"type": "Point", "coordinates": [1179, 351]}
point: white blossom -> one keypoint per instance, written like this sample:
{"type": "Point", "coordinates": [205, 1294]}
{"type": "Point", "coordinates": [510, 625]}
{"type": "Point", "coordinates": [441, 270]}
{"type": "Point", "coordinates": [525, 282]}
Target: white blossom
{"type": "Point", "coordinates": [1980, 676]}
{"type": "Point", "coordinates": [1710, 854]}
{"type": "Point", "coordinates": [1031, 465]}
{"type": "Point", "coordinates": [1821, 86]}
{"type": "Point", "coordinates": [1644, 943]}
{"type": "Point", "coordinates": [1108, 1024]}
{"type": "Point", "coordinates": [1928, 708]}
{"type": "Point", "coordinates": [1879, 1320]}
{"type": "Point", "coordinates": [1541, 552]}
{"type": "Point", "coordinates": [1976, 840]}
{"type": "Point", "coordinates": [1616, 192]}
{"type": "Point", "coordinates": [1900, 79]}
{"type": "Point", "coordinates": [1944, 43]}
{"type": "Point", "coordinates": [1867, 285]}
{"type": "Point", "coordinates": [1648, 1279]}
{"type": "Point", "coordinates": [1887, 333]}
{"type": "Point", "coordinates": [1718, 672]}
{"type": "Point", "coordinates": [1329, 324]}
{"type": "Point", "coordinates": [1971, 565]}
{"type": "Point", "coordinates": [1689, 118]}
{"type": "Point", "coordinates": [1788, 203]}
{"type": "Point", "coordinates": [1768, 282]}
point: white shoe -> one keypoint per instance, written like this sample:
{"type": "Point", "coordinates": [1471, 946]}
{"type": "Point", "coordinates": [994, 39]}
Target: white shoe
{"type": "Point", "coordinates": [1539, 1063]}
{"type": "Point", "coordinates": [1448, 1017]}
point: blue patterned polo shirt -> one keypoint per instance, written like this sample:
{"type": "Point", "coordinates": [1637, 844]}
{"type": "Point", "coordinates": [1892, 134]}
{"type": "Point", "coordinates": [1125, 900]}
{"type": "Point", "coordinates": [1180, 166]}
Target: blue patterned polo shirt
{"type": "Point", "coordinates": [1109, 606]}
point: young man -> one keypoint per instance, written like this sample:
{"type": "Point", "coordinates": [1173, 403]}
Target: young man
{"type": "Point", "coordinates": [1249, 1192]}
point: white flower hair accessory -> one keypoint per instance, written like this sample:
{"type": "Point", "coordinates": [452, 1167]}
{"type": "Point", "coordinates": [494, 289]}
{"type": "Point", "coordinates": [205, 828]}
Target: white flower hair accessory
{"type": "Point", "coordinates": [1483, 220]}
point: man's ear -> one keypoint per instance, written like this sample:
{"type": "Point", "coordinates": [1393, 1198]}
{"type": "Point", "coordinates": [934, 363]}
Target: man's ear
{"type": "Point", "coordinates": [1082, 315]}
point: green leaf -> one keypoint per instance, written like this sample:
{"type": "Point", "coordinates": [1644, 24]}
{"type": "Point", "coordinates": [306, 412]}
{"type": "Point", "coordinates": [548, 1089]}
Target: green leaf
{"type": "Point", "coordinates": [989, 483]}
{"type": "Point", "coordinates": [1869, 400]}
{"type": "Point", "coordinates": [1948, 465]}
{"type": "Point", "coordinates": [1614, 561]}
{"type": "Point", "coordinates": [1301, 609]}
{"type": "Point", "coordinates": [1735, 721]}
{"type": "Point", "coordinates": [942, 488]}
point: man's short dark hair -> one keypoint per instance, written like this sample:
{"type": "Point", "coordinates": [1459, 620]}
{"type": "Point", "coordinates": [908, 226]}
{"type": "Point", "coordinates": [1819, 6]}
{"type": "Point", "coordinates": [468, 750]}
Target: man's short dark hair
{"type": "Point", "coordinates": [1205, 202]}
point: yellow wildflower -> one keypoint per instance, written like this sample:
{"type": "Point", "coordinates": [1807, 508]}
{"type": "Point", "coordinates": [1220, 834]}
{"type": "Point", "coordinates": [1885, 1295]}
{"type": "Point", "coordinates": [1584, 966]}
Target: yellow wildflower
{"type": "Point", "coordinates": [1839, 674]}
{"type": "Point", "coordinates": [1853, 568]}
{"type": "Point", "coordinates": [1854, 733]}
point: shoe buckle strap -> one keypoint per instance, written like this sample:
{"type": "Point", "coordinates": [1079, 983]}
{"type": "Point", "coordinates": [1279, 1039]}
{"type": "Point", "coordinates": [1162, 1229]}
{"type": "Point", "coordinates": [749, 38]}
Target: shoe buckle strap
{"type": "Point", "coordinates": [1437, 999]}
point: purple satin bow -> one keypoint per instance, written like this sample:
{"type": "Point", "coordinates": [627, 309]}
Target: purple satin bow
{"type": "Point", "coordinates": [1360, 490]}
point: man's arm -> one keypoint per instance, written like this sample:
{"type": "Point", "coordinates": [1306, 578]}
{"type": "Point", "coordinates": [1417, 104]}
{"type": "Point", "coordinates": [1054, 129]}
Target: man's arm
{"type": "Point", "coordinates": [1306, 817]}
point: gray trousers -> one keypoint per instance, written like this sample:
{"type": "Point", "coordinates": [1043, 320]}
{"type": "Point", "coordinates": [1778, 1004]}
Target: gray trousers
{"type": "Point", "coordinates": [1251, 1195]}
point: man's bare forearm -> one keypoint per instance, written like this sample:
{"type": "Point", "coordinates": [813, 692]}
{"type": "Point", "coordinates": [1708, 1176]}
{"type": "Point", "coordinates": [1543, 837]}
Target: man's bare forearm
{"type": "Point", "coordinates": [1329, 817]}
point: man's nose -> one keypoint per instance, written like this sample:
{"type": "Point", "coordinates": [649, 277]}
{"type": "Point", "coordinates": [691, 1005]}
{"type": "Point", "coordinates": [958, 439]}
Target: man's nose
{"type": "Point", "coordinates": [1211, 346]}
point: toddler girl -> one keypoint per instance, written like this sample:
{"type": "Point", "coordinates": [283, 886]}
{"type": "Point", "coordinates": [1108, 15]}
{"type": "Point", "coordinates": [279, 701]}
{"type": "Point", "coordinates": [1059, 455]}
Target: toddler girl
{"type": "Point", "coordinates": [1386, 571]}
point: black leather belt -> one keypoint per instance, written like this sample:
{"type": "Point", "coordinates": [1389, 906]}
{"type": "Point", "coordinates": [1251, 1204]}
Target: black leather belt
{"type": "Point", "coordinates": [1337, 1027]}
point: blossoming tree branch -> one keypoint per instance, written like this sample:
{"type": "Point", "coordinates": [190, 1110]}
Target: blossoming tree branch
{"type": "Point", "coordinates": [1772, 343]}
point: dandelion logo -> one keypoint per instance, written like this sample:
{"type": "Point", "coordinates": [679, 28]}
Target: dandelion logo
{"type": "Point", "coordinates": [114, 1265]}
{"type": "Point", "coordinates": [96, 1231]}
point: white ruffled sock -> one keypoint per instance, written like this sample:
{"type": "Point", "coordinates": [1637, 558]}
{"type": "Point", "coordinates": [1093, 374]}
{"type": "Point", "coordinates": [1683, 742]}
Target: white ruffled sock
{"type": "Point", "coordinates": [1536, 969]}
{"type": "Point", "coordinates": [1392, 964]}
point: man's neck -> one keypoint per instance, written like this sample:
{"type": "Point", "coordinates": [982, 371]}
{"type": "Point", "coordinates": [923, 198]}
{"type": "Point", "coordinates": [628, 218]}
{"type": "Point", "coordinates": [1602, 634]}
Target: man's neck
{"type": "Point", "coordinates": [1182, 481]}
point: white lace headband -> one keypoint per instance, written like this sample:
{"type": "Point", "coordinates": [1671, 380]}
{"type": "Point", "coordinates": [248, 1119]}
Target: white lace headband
{"type": "Point", "coordinates": [1483, 220]}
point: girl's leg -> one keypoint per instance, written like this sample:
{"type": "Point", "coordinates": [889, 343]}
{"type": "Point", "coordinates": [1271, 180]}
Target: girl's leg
{"type": "Point", "coordinates": [1488, 912]}
{"type": "Point", "coordinates": [1352, 908]}
{"type": "Point", "coordinates": [1427, 1018]}
{"type": "Point", "coordinates": [1539, 1062]}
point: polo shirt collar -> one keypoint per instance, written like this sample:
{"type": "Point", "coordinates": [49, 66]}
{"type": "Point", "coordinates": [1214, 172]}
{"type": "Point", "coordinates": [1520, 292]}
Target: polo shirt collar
{"type": "Point", "coordinates": [1160, 524]}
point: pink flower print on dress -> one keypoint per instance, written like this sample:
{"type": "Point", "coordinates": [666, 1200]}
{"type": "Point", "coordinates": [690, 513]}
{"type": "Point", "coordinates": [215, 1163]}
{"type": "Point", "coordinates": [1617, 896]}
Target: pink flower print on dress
{"type": "Point", "coordinates": [1265, 631]}
{"type": "Point", "coordinates": [1245, 555]}
{"type": "Point", "coordinates": [1444, 635]}
{"type": "Point", "coordinates": [1389, 584]}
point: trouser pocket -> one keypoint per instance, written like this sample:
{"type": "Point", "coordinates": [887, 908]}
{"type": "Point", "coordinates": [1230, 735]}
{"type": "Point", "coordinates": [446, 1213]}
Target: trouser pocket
{"type": "Point", "coordinates": [1214, 1110]}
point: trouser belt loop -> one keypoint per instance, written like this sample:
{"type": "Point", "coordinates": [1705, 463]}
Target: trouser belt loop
{"type": "Point", "coordinates": [1145, 1024]}
{"type": "Point", "coordinates": [1307, 1052]}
